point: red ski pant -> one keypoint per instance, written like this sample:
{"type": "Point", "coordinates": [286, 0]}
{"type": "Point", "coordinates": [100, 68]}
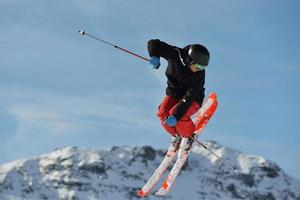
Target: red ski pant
{"type": "Point", "coordinates": [185, 126]}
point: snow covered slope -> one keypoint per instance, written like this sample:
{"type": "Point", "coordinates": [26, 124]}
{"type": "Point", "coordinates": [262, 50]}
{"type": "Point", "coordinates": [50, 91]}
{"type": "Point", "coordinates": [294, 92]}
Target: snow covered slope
{"type": "Point", "coordinates": [116, 174]}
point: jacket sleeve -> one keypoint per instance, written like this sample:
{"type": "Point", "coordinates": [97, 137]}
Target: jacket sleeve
{"type": "Point", "coordinates": [196, 89]}
{"type": "Point", "coordinates": [160, 49]}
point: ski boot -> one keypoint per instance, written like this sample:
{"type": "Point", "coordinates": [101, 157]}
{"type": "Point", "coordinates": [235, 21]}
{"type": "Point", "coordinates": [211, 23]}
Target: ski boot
{"type": "Point", "coordinates": [186, 145]}
{"type": "Point", "coordinates": [175, 143]}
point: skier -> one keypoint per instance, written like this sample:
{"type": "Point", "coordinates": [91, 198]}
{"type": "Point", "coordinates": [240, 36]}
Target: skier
{"type": "Point", "coordinates": [185, 87]}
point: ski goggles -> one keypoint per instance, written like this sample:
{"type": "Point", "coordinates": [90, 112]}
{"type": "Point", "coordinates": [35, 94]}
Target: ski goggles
{"type": "Point", "coordinates": [197, 67]}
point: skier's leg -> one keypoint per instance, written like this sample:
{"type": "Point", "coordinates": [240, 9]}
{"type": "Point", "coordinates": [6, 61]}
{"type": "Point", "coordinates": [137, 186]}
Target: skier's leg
{"type": "Point", "coordinates": [185, 126]}
{"type": "Point", "coordinates": [163, 111]}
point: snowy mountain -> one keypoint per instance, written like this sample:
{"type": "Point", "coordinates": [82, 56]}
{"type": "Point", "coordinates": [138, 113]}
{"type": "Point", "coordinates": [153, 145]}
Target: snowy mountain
{"type": "Point", "coordinates": [116, 174]}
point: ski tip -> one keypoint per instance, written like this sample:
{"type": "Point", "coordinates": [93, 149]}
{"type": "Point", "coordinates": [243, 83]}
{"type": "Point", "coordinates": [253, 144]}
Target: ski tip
{"type": "Point", "coordinates": [213, 95]}
{"type": "Point", "coordinates": [161, 192]}
{"type": "Point", "coordinates": [141, 193]}
{"type": "Point", "coordinates": [164, 189]}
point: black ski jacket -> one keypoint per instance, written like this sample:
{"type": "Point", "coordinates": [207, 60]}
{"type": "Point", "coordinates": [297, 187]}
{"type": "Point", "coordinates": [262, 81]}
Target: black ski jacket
{"type": "Point", "coordinates": [182, 82]}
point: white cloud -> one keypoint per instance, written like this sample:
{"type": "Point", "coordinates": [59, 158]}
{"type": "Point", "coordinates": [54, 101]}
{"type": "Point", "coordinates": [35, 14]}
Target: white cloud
{"type": "Point", "coordinates": [44, 120]}
{"type": "Point", "coordinates": [35, 108]}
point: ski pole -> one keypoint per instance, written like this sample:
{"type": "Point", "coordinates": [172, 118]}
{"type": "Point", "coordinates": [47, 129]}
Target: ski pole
{"type": "Point", "coordinates": [115, 46]}
{"type": "Point", "coordinates": [221, 159]}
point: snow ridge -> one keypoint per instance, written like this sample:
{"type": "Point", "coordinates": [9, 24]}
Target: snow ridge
{"type": "Point", "coordinates": [76, 173]}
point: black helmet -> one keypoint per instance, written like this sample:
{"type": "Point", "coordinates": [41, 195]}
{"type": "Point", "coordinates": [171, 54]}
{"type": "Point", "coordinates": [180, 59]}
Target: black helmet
{"type": "Point", "coordinates": [198, 54]}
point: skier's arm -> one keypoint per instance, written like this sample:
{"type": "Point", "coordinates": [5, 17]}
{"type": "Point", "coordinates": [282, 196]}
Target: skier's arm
{"type": "Point", "coordinates": [158, 49]}
{"type": "Point", "coordinates": [196, 89]}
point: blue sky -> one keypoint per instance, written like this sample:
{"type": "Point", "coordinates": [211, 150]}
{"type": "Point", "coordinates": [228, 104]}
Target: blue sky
{"type": "Point", "coordinates": [60, 89]}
